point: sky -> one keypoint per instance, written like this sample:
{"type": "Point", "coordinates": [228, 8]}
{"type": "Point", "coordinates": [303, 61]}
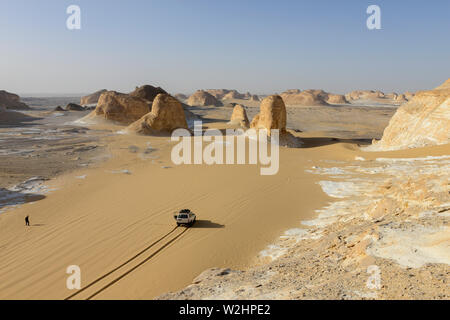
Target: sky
{"type": "Point", "coordinates": [250, 45]}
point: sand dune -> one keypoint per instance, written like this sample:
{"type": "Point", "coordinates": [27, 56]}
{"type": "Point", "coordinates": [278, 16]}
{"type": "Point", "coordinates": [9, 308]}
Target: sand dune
{"type": "Point", "coordinates": [100, 217]}
{"type": "Point", "coordinates": [112, 216]}
{"type": "Point", "coordinates": [114, 219]}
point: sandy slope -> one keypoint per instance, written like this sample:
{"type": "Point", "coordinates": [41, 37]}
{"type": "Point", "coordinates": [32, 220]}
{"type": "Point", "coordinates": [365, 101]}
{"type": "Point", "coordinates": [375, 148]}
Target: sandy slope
{"type": "Point", "coordinates": [100, 217]}
{"type": "Point", "coordinates": [388, 213]}
{"type": "Point", "coordinates": [104, 217]}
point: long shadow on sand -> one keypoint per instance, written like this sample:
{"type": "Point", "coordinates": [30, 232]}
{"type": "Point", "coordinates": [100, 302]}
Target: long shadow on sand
{"type": "Point", "coordinates": [19, 120]}
{"type": "Point", "coordinates": [10, 198]}
{"type": "Point", "coordinates": [325, 141]}
{"type": "Point", "coordinates": [207, 224]}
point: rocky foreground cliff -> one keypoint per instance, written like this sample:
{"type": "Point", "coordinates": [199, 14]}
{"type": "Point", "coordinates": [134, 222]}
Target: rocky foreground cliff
{"type": "Point", "coordinates": [423, 121]}
{"type": "Point", "coordinates": [387, 236]}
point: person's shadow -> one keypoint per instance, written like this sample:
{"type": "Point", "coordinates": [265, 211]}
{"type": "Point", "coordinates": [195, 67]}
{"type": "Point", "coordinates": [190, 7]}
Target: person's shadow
{"type": "Point", "coordinates": [207, 224]}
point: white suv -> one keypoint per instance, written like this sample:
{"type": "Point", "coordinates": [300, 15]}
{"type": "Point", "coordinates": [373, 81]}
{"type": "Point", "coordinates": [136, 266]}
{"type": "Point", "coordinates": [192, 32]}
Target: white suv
{"type": "Point", "coordinates": [185, 217]}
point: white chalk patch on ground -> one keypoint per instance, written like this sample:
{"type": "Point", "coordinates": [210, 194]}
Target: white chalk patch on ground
{"type": "Point", "coordinates": [81, 177]}
{"type": "Point", "coordinates": [393, 160]}
{"type": "Point", "coordinates": [329, 214]}
{"type": "Point", "coordinates": [79, 122]}
{"type": "Point", "coordinates": [30, 186]}
{"type": "Point", "coordinates": [273, 252]}
{"type": "Point", "coordinates": [296, 232]}
{"type": "Point", "coordinates": [341, 189]}
{"type": "Point", "coordinates": [335, 211]}
{"type": "Point", "coordinates": [427, 214]}
{"type": "Point", "coordinates": [8, 152]}
{"type": "Point", "coordinates": [125, 171]}
{"type": "Point", "coordinates": [359, 158]}
{"type": "Point", "coordinates": [371, 170]}
{"type": "Point", "coordinates": [413, 247]}
{"type": "Point", "coordinates": [327, 171]}
{"type": "Point", "coordinates": [287, 240]}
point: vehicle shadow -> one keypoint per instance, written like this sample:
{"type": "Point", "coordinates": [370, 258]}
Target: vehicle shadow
{"type": "Point", "coordinates": [207, 224]}
{"type": "Point", "coordinates": [324, 141]}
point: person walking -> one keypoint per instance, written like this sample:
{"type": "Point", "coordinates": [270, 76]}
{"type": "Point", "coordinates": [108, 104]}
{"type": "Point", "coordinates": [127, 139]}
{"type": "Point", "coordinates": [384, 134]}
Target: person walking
{"type": "Point", "coordinates": [27, 221]}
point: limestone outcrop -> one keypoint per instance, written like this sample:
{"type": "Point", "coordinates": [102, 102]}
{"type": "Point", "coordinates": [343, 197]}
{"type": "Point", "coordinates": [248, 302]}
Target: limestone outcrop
{"type": "Point", "coordinates": [227, 94]}
{"type": "Point", "coordinates": [121, 107]}
{"type": "Point", "coordinates": [74, 107]}
{"type": "Point", "coordinates": [272, 115]}
{"type": "Point", "coordinates": [254, 98]}
{"type": "Point", "coordinates": [147, 92]}
{"type": "Point", "coordinates": [423, 121]}
{"type": "Point", "coordinates": [181, 96]}
{"type": "Point", "coordinates": [305, 98]}
{"type": "Point", "coordinates": [233, 95]}
{"type": "Point", "coordinates": [364, 95]}
{"type": "Point", "coordinates": [400, 98]}
{"type": "Point", "coordinates": [409, 95]}
{"type": "Point", "coordinates": [239, 116]}
{"type": "Point", "coordinates": [336, 99]}
{"type": "Point", "coordinates": [167, 115]}
{"type": "Point", "coordinates": [218, 93]}
{"type": "Point", "coordinates": [202, 98]}
{"type": "Point", "coordinates": [391, 96]}
{"type": "Point", "coordinates": [92, 98]}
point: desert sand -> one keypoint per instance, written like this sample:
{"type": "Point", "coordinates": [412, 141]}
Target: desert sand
{"type": "Point", "coordinates": [113, 217]}
{"type": "Point", "coordinates": [388, 219]}
{"type": "Point", "coordinates": [104, 219]}
{"type": "Point", "coordinates": [380, 212]}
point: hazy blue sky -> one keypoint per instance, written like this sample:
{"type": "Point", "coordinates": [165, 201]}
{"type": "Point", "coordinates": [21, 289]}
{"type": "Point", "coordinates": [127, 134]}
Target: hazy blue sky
{"type": "Point", "coordinates": [251, 45]}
